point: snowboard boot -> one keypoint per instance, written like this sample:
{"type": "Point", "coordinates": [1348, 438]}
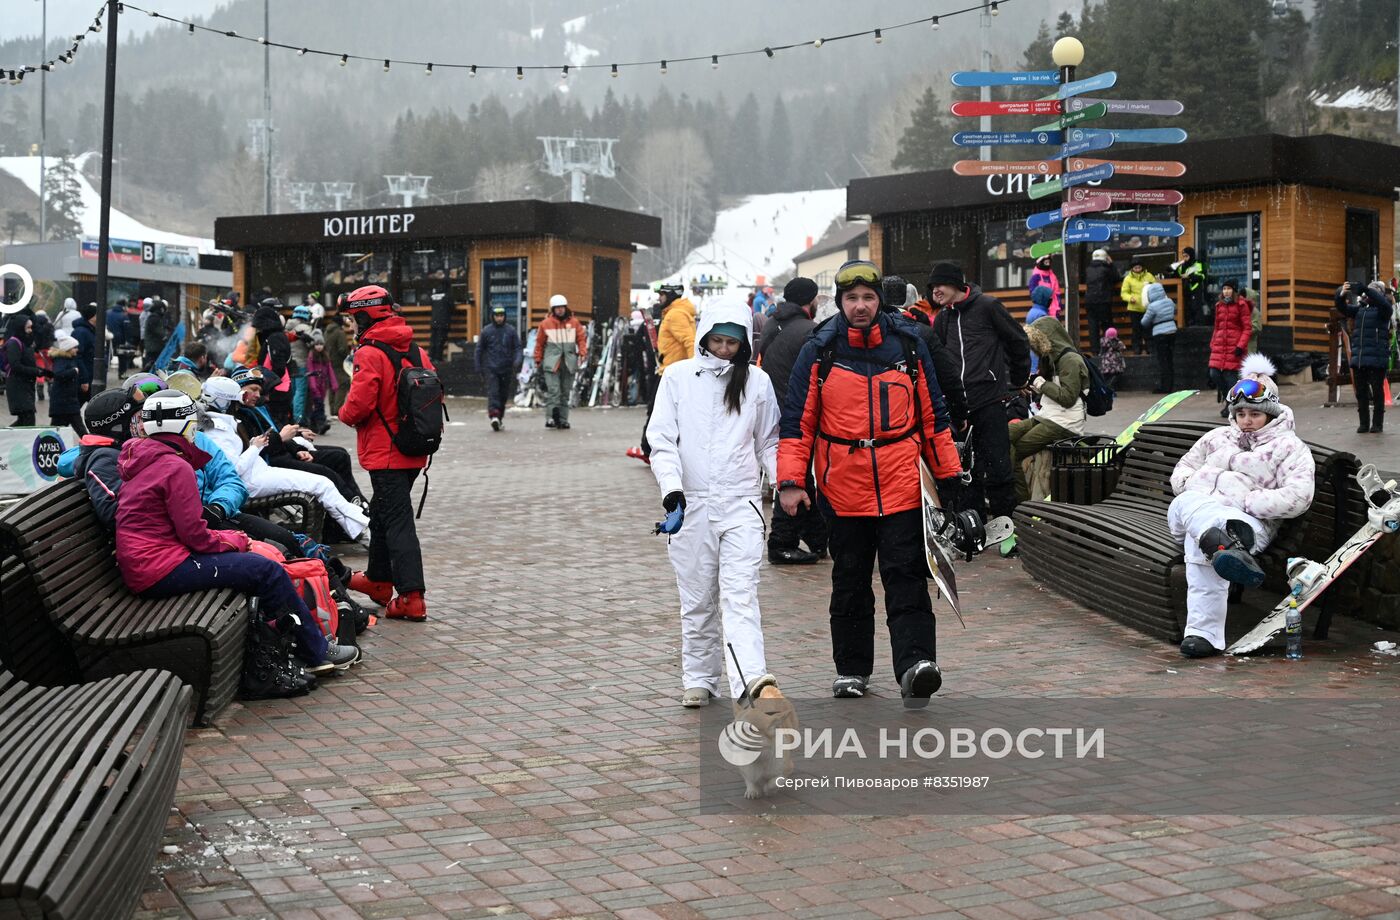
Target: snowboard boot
{"type": "Point", "coordinates": [1228, 550]}
{"type": "Point", "coordinates": [794, 556]}
{"type": "Point", "coordinates": [919, 683]}
{"type": "Point", "coordinates": [696, 697]}
{"type": "Point", "coordinates": [1197, 647]}
{"type": "Point", "coordinates": [410, 606]}
{"type": "Point", "coordinates": [849, 686]}
{"type": "Point", "coordinates": [556, 418]}
{"type": "Point", "coordinates": [381, 592]}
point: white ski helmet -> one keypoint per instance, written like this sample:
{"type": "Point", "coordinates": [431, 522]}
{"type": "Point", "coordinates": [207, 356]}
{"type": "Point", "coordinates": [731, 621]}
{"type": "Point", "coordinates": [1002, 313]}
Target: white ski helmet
{"type": "Point", "coordinates": [220, 394]}
{"type": "Point", "coordinates": [169, 412]}
{"type": "Point", "coordinates": [558, 300]}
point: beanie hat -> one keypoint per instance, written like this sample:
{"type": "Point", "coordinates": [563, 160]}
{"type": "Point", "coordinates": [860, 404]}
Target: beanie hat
{"type": "Point", "coordinates": [800, 291]}
{"type": "Point", "coordinates": [1101, 255]}
{"type": "Point", "coordinates": [733, 330]}
{"type": "Point", "coordinates": [946, 273]}
{"type": "Point", "coordinates": [894, 290]}
{"type": "Point", "coordinates": [1042, 296]}
{"type": "Point", "coordinates": [1256, 388]}
{"type": "Point", "coordinates": [1111, 332]}
{"type": "Point", "coordinates": [64, 342]}
{"type": "Point", "coordinates": [1043, 261]}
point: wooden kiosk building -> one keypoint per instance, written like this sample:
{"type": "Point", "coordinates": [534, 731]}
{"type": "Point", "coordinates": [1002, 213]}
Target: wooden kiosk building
{"type": "Point", "coordinates": [510, 253]}
{"type": "Point", "coordinates": [1291, 217]}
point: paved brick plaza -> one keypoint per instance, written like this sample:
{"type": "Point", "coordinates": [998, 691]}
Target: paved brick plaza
{"type": "Point", "coordinates": [521, 754]}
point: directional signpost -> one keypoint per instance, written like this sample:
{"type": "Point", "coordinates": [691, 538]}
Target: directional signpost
{"type": "Point", "coordinates": [1008, 138]}
{"type": "Point", "coordinates": [1012, 78]}
{"type": "Point", "coordinates": [1131, 196]}
{"type": "Point", "coordinates": [1071, 179]}
{"type": "Point", "coordinates": [1070, 119]}
{"type": "Point", "coordinates": [1127, 106]}
{"type": "Point", "coordinates": [1034, 107]}
{"type": "Point", "coordinates": [1128, 227]}
{"type": "Point", "coordinates": [1100, 141]}
{"type": "Point", "coordinates": [1068, 209]}
{"type": "Point", "coordinates": [1137, 135]}
{"type": "Point", "coordinates": [1089, 85]}
{"type": "Point", "coordinates": [1006, 167]}
{"type": "Point", "coordinates": [1162, 168]}
{"type": "Point", "coordinates": [1053, 247]}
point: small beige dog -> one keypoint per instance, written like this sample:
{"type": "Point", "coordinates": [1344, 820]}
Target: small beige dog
{"type": "Point", "coordinates": [758, 714]}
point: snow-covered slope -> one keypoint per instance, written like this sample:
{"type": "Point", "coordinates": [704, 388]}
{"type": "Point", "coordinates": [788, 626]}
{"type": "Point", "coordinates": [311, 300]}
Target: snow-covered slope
{"type": "Point", "coordinates": [1379, 99]}
{"type": "Point", "coordinates": [123, 227]}
{"type": "Point", "coordinates": [760, 236]}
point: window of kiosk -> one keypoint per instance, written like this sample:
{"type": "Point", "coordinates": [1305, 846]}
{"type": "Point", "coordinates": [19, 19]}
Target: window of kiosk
{"type": "Point", "coordinates": [286, 273]}
{"type": "Point", "coordinates": [912, 246]}
{"type": "Point", "coordinates": [1230, 247]}
{"type": "Point", "coordinates": [343, 271]}
{"type": "Point", "coordinates": [504, 284]}
{"type": "Point", "coordinates": [1157, 253]}
{"type": "Point", "coordinates": [427, 268]}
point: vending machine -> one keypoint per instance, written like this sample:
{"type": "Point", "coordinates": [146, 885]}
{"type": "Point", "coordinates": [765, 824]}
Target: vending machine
{"type": "Point", "coordinates": [1230, 247]}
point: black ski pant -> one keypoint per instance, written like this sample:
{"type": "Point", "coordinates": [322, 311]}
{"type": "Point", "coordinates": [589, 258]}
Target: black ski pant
{"type": "Point", "coordinates": [437, 342]}
{"type": "Point", "coordinates": [654, 385]}
{"type": "Point", "coordinates": [23, 419]}
{"type": "Point", "coordinates": [498, 391]}
{"type": "Point", "coordinates": [806, 525]}
{"type": "Point", "coordinates": [257, 528]}
{"type": "Point", "coordinates": [1164, 347]}
{"type": "Point", "coordinates": [328, 463]}
{"type": "Point", "coordinates": [394, 553]}
{"type": "Point", "coordinates": [1370, 392]}
{"type": "Point", "coordinates": [74, 419]}
{"type": "Point", "coordinates": [993, 490]}
{"type": "Point", "coordinates": [1141, 340]}
{"type": "Point", "coordinates": [1100, 318]}
{"type": "Point", "coordinates": [897, 540]}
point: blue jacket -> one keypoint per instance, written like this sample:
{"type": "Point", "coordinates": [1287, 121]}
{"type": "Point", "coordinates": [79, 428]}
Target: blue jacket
{"type": "Point", "coordinates": [1036, 311]}
{"type": "Point", "coordinates": [116, 324]}
{"type": "Point", "coordinates": [1160, 317]}
{"type": "Point", "coordinates": [87, 348]}
{"type": "Point", "coordinates": [1370, 328]}
{"type": "Point", "coordinates": [498, 349]}
{"type": "Point", "coordinates": [94, 460]}
{"type": "Point", "coordinates": [218, 481]}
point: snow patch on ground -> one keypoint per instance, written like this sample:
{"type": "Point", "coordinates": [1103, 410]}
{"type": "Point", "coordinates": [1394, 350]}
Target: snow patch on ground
{"type": "Point", "coordinates": [1358, 97]}
{"type": "Point", "coordinates": [123, 227]}
{"type": "Point", "coordinates": [761, 234]}
{"type": "Point", "coordinates": [570, 26]}
{"type": "Point", "coordinates": [579, 55]}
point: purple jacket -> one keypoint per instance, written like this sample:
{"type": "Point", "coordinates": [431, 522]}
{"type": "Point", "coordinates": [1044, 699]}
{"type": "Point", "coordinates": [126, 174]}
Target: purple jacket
{"type": "Point", "coordinates": [159, 517]}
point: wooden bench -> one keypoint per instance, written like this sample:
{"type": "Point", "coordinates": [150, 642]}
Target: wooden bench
{"type": "Point", "coordinates": [87, 778]}
{"type": "Point", "coordinates": [73, 574]}
{"type": "Point", "coordinates": [299, 512]}
{"type": "Point", "coordinates": [1118, 558]}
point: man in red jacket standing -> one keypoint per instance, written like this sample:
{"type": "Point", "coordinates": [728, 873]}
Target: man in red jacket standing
{"type": "Point", "coordinates": [1234, 324]}
{"type": "Point", "coordinates": [394, 577]}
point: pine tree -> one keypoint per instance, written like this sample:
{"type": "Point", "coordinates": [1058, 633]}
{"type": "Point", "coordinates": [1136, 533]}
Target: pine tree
{"type": "Point", "coordinates": [63, 199]}
{"type": "Point", "coordinates": [926, 142]}
{"type": "Point", "coordinates": [778, 159]}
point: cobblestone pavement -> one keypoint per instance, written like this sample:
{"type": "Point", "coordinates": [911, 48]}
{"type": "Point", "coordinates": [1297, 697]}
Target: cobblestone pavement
{"type": "Point", "coordinates": [521, 754]}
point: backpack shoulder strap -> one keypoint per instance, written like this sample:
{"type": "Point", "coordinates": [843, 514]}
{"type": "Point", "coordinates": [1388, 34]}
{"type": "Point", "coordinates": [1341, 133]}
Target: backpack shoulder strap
{"type": "Point", "coordinates": [911, 353]}
{"type": "Point", "coordinates": [826, 362]}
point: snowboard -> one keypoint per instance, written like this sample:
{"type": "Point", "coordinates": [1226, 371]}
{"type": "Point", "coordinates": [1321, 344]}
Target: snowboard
{"type": "Point", "coordinates": [1308, 580]}
{"type": "Point", "coordinates": [1154, 412]}
{"type": "Point", "coordinates": [938, 556]}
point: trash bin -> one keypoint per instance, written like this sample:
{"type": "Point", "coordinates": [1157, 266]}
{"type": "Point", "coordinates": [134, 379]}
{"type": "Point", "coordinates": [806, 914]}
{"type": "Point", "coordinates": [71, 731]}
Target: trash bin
{"type": "Point", "coordinates": [1084, 470]}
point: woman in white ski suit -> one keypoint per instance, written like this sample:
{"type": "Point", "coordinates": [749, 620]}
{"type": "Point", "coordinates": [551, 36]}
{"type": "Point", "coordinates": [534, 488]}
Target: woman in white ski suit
{"type": "Point", "coordinates": [714, 458]}
{"type": "Point", "coordinates": [1259, 477]}
{"type": "Point", "coordinates": [262, 479]}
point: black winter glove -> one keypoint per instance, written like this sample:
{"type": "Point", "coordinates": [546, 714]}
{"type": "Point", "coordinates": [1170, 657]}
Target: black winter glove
{"type": "Point", "coordinates": [672, 500]}
{"type": "Point", "coordinates": [1239, 352]}
{"type": "Point", "coordinates": [216, 512]}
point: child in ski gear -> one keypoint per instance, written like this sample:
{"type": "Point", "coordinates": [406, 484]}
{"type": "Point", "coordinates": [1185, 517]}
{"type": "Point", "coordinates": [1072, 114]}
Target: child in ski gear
{"type": "Point", "coordinates": [1160, 322]}
{"type": "Point", "coordinates": [498, 359]}
{"type": "Point", "coordinates": [109, 416]}
{"type": "Point", "coordinates": [164, 547]}
{"type": "Point", "coordinates": [1229, 340]}
{"type": "Point", "coordinates": [713, 433]}
{"type": "Point", "coordinates": [1233, 488]}
{"type": "Point", "coordinates": [1041, 298]}
{"type": "Point", "coordinates": [320, 383]}
{"type": "Point", "coordinates": [395, 558]}
{"type": "Point", "coordinates": [66, 394]}
{"type": "Point", "coordinates": [558, 346]}
{"type": "Point", "coordinates": [1137, 278]}
{"type": "Point", "coordinates": [865, 405]}
{"type": "Point", "coordinates": [1062, 410]}
{"type": "Point", "coordinates": [1112, 362]}
{"type": "Point", "coordinates": [1372, 316]}
{"type": "Point", "coordinates": [1044, 276]}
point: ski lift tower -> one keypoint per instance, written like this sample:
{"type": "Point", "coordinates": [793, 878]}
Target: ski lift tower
{"type": "Point", "coordinates": [579, 157]}
{"type": "Point", "coordinates": [410, 187]}
{"type": "Point", "coordinates": [339, 191]}
{"type": "Point", "coordinates": [302, 192]}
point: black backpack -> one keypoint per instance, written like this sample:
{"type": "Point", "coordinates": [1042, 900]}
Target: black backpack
{"type": "Point", "coordinates": [422, 409]}
{"type": "Point", "coordinates": [1098, 399]}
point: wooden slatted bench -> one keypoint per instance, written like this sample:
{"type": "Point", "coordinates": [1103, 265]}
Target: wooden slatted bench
{"type": "Point", "coordinates": [87, 778]}
{"type": "Point", "coordinates": [71, 563]}
{"type": "Point", "coordinates": [1117, 557]}
{"type": "Point", "coordinates": [299, 512]}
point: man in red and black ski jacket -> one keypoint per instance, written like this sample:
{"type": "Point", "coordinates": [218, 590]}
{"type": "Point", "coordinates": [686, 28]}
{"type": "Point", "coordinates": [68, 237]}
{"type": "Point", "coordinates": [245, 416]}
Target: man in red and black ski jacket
{"type": "Point", "coordinates": [864, 405]}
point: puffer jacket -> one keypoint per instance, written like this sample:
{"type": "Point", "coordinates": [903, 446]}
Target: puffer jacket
{"type": "Point", "coordinates": [374, 392]}
{"type": "Point", "coordinates": [94, 461]}
{"type": "Point", "coordinates": [1042, 278]}
{"type": "Point", "coordinates": [989, 346]}
{"type": "Point", "coordinates": [498, 349]}
{"type": "Point", "coordinates": [1132, 290]}
{"type": "Point", "coordinates": [160, 520]}
{"type": "Point", "coordinates": [675, 337]}
{"type": "Point", "coordinates": [23, 365]}
{"type": "Point", "coordinates": [299, 342]}
{"type": "Point", "coordinates": [698, 446]}
{"type": "Point", "coordinates": [276, 351]}
{"type": "Point", "coordinates": [1370, 328]}
{"type": "Point", "coordinates": [1062, 394]}
{"type": "Point", "coordinates": [1102, 284]}
{"type": "Point", "coordinates": [560, 341]}
{"type": "Point", "coordinates": [868, 424]}
{"type": "Point", "coordinates": [783, 337]}
{"type": "Point", "coordinates": [1234, 324]}
{"type": "Point", "coordinates": [1160, 318]}
{"type": "Point", "coordinates": [66, 393]}
{"type": "Point", "coordinates": [1268, 474]}
{"type": "Point", "coordinates": [218, 481]}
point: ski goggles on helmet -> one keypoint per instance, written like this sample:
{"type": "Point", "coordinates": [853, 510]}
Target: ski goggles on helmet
{"type": "Point", "coordinates": [858, 272]}
{"type": "Point", "coordinates": [1250, 392]}
{"type": "Point", "coordinates": [145, 384]}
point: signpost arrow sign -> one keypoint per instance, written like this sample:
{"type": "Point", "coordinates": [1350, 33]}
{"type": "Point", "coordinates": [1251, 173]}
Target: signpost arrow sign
{"type": "Point", "coordinates": [1090, 201]}
{"type": "Point", "coordinates": [1127, 106]}
{"type": "Point", "coordinates": [1007, 78]}
{"type": "Point", "coordinates": [1006, 138]}
{"type": "Point", "coordinates": [1163, 168]}
{"type": "Point", "coordinates": [1047, 248]}
{"type": "Point", "coordinates": [1132, 196]}
{"type": "Point", "coordinates": [1087, 145]}
{"type": "Point", "coordinates": [1088, 85]}
{"type": "Point", "coordinates": [1066, 121]}
{"type": "Point", "coordinates": [1030, 107]}
{"type": "Point", "coordinates": [1076, 234]}
{"type": "Point", "coordinates": [1070, 180]}
{"type": "Point", "coordinates": [1005, 167]}
{"type": "Point", "coordinates": [1135, 135]}
{"type": "Point", "coordinates": [1128, 227]}
{"type": "Point", "coordinates": [1046, 218]}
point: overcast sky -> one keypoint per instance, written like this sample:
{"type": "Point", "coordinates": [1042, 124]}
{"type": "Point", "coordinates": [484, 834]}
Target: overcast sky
{"type": "Point", "coordinates": [23, 17]}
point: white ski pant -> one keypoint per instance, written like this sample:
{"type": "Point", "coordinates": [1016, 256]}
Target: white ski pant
{"type": "Point", "coordinates": [717, 555]}
{"type": "Point", "coordinates": [269, 480]}
{"type": "Point", "coordinates": [1207, 594]}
